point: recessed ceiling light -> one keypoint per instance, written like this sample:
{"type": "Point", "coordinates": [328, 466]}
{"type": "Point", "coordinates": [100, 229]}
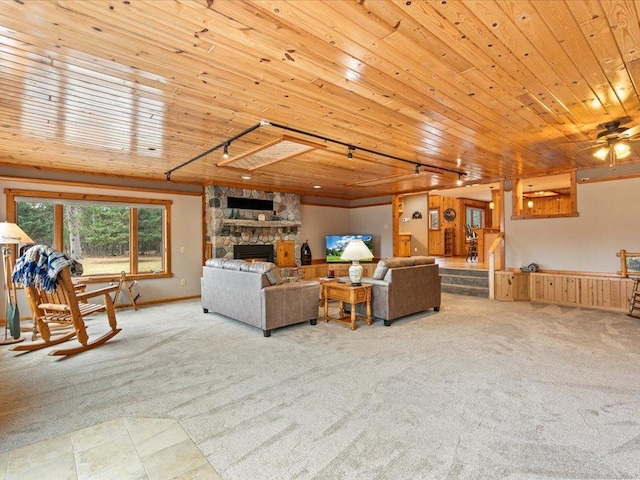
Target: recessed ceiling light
{"type": "Point", "coordinates": [246, 177]}
{"type": "Point", "coordinates": [317, 186]}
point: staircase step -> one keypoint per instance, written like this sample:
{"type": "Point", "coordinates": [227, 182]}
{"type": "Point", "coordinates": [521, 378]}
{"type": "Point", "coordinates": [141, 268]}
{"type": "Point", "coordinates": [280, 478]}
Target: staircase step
{"type": "Point", "coordinates": [466, 290]}
{"type": "Point", "coordinates": [472, 281]}
{"type": "Point", "coordinates": [464, 272]}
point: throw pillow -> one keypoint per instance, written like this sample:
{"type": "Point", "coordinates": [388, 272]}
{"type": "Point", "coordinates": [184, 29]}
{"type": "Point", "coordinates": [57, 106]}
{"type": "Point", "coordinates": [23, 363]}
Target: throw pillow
{"type": "Point", "coordinates": [381, 270]}
{"type": "Point", "coordinates": [274, 277]}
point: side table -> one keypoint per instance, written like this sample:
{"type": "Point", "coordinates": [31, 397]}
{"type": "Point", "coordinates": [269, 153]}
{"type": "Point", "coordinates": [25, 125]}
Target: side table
{"type": "Point", "coordinates": [345, 292]}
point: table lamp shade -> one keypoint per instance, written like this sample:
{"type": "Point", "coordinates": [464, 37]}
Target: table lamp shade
{"type": "Point", "coordinates": [356, 250]}
{"type": "Point", "coordinates": [10, 233]}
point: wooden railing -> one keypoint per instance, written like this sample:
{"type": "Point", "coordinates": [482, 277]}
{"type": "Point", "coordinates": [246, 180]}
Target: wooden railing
{"type": "Point", "coordinates": [492, 264]}
{"type": "Point", "coordinates": [624, 268]}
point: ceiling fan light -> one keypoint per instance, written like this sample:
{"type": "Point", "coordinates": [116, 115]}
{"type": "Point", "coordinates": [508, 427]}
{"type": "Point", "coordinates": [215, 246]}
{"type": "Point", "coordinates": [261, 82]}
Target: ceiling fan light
{"type": "Point", "coordinates": [601, 153]}
{"type": "Point", "coordinates": [622, 150]}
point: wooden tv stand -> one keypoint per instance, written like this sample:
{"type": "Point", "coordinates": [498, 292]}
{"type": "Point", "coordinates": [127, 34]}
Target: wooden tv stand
{"type": "Point", "coordinates": [318, 270]}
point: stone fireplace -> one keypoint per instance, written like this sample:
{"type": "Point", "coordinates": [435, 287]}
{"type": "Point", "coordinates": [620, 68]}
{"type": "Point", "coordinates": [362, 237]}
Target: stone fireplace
{"type": "Point", "coordinates": [238, 217]}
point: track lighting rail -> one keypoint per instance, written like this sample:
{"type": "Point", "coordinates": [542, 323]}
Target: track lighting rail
{"type": "Point", "coordinates": [350, 149]}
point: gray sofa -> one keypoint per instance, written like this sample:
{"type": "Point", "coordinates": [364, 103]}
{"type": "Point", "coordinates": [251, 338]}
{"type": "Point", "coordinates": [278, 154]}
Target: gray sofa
{"type": "Point", "coordinates": [254, 293]}
{"type": "Point", "coordinates": [402, 286]}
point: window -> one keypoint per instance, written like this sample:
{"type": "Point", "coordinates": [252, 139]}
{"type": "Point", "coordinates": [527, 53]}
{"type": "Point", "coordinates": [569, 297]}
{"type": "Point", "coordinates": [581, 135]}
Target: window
{"type": "Point", "coordinates": [545, 197]}
{"type": "Point", "coordinates": [107, 235]}
{"type": "Point", "coordinates": [434, 219]}
{"type": "Point", "coordinates": [475, 217]}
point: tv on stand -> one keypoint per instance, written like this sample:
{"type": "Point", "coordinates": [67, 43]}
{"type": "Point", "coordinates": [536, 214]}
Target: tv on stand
{"type": "Point", "coordinates": [335, 245]}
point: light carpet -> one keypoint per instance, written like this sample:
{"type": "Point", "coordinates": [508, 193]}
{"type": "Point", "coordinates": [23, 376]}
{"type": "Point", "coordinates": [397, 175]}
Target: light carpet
{"type": "Point", "coordinates": [481, 389]}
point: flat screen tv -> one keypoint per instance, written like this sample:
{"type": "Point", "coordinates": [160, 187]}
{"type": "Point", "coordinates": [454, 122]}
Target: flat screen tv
{"type": "Point", "coordinates": [335, 245]}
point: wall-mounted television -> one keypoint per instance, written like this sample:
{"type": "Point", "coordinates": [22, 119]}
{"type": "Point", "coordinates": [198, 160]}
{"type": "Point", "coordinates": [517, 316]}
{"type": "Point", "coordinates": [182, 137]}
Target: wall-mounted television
{"type": "Point", "coordinates": [335, 245]}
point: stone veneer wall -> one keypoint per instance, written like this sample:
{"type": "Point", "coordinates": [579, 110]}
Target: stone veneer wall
{"type": "Point", "coordinates": [286, 207]}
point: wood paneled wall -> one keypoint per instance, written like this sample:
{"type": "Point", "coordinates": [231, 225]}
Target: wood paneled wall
{"type": "Point", "coordinates": [436, 237]}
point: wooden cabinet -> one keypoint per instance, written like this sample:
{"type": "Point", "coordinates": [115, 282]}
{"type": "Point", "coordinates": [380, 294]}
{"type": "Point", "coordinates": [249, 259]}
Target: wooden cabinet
{"type": "Point", "coordinates": [404, 249]}
{"type": "Point", "coordinates": [313, 272]}
{"type": "Point", "coordinates": [285, 253]}
{"type": "Point", "coordinates": [512, 286]}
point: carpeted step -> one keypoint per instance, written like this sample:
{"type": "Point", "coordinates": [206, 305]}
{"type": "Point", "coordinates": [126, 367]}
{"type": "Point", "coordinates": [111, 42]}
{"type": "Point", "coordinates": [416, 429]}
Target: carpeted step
{"type": "Point", "coordinates": [466, 290]}
{"type": "Point", "coordinates": [464, 272]}
{"type": "Point", "coordinates": [470, 280]}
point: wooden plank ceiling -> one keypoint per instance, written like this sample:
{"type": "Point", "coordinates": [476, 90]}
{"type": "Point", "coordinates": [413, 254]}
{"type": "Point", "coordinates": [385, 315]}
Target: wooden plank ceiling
{"type": "Point", "coordinates": [137, 88]}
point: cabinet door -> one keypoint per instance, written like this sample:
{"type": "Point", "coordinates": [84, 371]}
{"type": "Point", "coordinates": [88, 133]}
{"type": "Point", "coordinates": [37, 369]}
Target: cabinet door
{"type": "Point", "coordinates": [285, 253]}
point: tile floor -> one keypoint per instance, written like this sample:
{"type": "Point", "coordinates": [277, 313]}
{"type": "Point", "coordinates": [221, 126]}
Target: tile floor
{"type": "Point", "coordinates": [124, 448]}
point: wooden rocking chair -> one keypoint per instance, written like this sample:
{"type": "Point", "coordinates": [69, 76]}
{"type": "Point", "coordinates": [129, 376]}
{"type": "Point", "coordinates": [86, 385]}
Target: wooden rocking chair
{"type": "Point", "coordinates": [66, 307]}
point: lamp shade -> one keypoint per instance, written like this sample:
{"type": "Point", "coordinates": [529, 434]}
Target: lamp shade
{"type": "Point", "coordinates": [10, 233]}
{"type": "Point", "coordinates": [356, 250]}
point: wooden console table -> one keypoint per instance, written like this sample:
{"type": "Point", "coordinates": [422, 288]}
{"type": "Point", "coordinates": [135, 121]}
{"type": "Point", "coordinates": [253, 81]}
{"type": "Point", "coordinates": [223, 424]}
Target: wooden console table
{"type": "Point", "coordinates": [345, 292]}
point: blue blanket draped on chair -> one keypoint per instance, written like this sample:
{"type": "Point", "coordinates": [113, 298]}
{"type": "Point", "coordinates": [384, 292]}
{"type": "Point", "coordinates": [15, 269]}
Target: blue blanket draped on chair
{"type": "Point", "coordinates": [39, 267]}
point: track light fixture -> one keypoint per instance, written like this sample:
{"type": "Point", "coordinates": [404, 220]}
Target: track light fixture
{"type": "Point", "coordinates": [530, 202]}
{"type": "Point", "coordinates": [459, 181]}
{"type": "Point", "coordinates": [417, 170]}
{"type": "Point", "coordinates": [492, 205]}
{"type": "Point", "coordinates": [265, 123]}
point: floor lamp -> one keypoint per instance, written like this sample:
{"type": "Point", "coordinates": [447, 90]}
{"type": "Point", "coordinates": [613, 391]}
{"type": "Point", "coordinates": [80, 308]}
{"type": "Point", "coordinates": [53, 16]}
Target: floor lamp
{"type": "Point", "coordinates": [11, 234]}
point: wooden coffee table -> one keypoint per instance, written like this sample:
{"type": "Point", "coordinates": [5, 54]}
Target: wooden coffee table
{"type": "Point", "coordinates": [345, 292]}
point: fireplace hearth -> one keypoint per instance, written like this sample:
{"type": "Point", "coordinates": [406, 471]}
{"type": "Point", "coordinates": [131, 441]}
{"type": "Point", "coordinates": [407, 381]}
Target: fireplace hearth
{"type": "Point", "coordinates": [258, 253]}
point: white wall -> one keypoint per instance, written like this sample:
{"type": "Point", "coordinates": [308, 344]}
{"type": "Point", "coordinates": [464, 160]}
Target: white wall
{"type": "Point", "coordinates": [418, 228]}
{"type": "Point", "coordinates": [608, 221]}
{"type": "Point", "coordinates": [318, 221]}
{"type": "Point", "coordinates": [186, 231]}
{"type": "Point", "coordinates": [376, 220]}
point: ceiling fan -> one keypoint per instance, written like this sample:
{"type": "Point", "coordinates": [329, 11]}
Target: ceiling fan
{"type": "Point", "coordinates": [613, 141]}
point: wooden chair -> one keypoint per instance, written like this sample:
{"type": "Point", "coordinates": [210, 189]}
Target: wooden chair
{"type": "Point", "coordinates": [471, 240]}
{"type": "Point", "coordinates": [67, 307]}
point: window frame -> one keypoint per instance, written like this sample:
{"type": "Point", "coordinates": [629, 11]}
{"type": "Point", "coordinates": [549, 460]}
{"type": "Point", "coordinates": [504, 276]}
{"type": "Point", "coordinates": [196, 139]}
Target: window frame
{"type": "Point", "coordinates": [13, 195]}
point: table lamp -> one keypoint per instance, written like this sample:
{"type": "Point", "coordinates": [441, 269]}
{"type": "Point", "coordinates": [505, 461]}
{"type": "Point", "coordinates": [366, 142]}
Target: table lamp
{"type": "Point", "coordinates": [11, 234]}
{"type": "Point", "coordinates": [356, 250]}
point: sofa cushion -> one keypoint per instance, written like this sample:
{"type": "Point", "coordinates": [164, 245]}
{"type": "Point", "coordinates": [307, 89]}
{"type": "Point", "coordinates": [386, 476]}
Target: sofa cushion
{"type": "Point", "coordinates": [421, 260]}
{"type": "Point", "coordinates": [235, 264]}
{"type": "Point", "coordinates": [396, 262]}
{"type": "Point", "coordinates": [257, 267]}
{"type": "Point", "coordinates": [215, 262]}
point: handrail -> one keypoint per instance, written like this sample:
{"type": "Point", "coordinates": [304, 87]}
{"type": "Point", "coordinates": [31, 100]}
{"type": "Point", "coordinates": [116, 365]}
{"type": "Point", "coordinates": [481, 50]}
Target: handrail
{"type": "Point", "coordinates": [492, 264]}
{"type": "Point", "coordinates": [623, 254]}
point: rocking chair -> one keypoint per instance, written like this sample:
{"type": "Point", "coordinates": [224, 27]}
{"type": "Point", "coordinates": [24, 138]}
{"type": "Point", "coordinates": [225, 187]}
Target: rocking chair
{"type": "Point", "coordinates": [66, 307]}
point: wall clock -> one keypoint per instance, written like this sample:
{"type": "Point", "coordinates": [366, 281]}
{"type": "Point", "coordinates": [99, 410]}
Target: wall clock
{"type": "Point", "coordinates": [449, 214]}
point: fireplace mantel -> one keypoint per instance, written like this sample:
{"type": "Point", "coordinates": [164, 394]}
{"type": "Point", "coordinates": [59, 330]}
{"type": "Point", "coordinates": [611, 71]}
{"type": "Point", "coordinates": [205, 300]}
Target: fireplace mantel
{"type": "Point", "coordinates": [260, 223]}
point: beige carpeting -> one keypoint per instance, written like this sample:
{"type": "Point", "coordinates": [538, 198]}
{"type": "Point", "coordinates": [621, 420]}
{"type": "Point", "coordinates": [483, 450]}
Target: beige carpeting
{"type": "Point", "coordinates": [481, 389]}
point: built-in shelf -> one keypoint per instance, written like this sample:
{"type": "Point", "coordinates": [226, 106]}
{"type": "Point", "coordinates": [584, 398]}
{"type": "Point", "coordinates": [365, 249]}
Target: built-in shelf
{"type": "Point", "coordinates": [260, 223]}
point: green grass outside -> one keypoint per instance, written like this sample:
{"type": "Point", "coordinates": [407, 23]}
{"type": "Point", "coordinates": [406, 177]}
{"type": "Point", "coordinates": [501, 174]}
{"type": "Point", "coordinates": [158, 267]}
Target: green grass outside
{"type": "Point", "coordinates": [115, 265]}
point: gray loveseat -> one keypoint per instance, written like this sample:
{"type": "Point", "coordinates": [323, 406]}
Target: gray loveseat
{"type": "Point", "coordinates": [254, 293]}
{"type": "Point", "coordinates": [402, 286]}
